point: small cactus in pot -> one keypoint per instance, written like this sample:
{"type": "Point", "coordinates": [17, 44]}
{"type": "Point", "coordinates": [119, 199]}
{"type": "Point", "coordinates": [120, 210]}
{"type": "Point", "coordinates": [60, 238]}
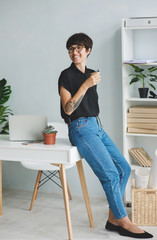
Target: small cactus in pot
{"type": "Point", "coordinates": [49, 134]}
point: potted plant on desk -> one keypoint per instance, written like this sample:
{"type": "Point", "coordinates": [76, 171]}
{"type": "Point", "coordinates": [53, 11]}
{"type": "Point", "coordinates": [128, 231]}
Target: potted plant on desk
{"type": "Point", "coordinates": [49, 135]}
{"type": "Point", "coordinates": [5, 92]}
{"type": "Point", "coordinates": [144, 76]}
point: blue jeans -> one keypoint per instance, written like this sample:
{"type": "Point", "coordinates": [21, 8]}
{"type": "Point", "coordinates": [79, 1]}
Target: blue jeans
{"type": "Point", "coordinates": [104, 158]}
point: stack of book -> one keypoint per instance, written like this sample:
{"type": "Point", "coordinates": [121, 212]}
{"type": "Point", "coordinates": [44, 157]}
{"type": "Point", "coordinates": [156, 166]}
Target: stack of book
{"type": "Point", "coordinates": [141, 156]}
{"type": "Point", "coordinates": [142, 119]}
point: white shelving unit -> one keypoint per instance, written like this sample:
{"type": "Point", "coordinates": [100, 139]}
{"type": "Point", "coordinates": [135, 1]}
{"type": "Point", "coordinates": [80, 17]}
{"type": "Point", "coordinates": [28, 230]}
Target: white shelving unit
{"type": "Point", "coordinates": [138, 42]}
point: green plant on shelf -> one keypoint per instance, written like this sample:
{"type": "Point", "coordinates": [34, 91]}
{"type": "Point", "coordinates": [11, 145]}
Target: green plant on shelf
{"type": "Point", "coordinates": [144, 76]}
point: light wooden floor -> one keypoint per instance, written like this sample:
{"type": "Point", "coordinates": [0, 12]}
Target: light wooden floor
{"type": "Point", "coordinates": [47, 219]}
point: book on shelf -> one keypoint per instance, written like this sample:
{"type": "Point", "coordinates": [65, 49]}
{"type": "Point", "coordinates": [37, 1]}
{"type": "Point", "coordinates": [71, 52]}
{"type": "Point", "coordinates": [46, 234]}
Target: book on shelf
{"type": "Point", "coordinates": [140, 61]}
{"type": "Point", "coordinates": [142, 120]}
{"type": "Point", "coordinates": [143, 109]}
{"type": "Point", "coordinates": [152, 126]}
{"type": "Point", "coordinates": [142, 115]}
{"type": "Point", "coordinates": [141, 130]}
{"type": "Point", "coordinates": [141, 156]}
{"type": "Point", "coordinates": [134, 154]}
{"type": "Point", "coordinates": [145, 155]}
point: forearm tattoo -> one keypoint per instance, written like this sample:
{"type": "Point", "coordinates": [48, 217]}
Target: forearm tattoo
{"type": "Point", "coordinates": [71, 106]}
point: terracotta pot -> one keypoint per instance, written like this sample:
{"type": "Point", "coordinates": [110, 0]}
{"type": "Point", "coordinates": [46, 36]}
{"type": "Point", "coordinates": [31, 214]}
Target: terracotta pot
{"type": "Point", "coordinates": [49, 138]}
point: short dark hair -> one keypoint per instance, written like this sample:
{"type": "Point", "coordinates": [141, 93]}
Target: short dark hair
{"type": "Point", "coordinates": [80, 39]}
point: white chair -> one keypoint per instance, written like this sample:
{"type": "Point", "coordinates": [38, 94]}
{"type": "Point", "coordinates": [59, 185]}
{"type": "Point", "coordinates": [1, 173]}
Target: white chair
{"type": "Point", "coordinates": [52, 170]}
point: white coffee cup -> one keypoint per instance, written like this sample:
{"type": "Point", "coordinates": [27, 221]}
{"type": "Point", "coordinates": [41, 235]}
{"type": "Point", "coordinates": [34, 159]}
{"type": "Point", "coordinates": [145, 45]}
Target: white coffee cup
{"type": "Point", "coordinates": [142, 177]}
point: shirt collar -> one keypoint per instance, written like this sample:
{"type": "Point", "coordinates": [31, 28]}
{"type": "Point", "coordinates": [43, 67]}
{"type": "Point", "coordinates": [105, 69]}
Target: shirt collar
{"type": "Point", "coordinates": [78, 71]}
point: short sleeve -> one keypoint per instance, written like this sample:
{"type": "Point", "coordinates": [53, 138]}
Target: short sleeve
{"type": "Point", "coordinates": [63, 81]}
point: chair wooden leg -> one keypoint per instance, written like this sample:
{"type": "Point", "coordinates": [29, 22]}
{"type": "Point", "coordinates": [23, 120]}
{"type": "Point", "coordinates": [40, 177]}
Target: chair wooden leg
{"type": "Point", "coordinates": [0, 188]}
{"type": "Point", "coordinates": [61, 179]}
{"type": "Point", "coordinates": [69, 193]}
{"type": "Point", "coordinates": [38, 182]}
{"type": "Point", "coordinates": [35, 189]}
{"type": "Point", "coordinates": [85, 192]}
{"type": "Point", "coordinates": [66, 201]}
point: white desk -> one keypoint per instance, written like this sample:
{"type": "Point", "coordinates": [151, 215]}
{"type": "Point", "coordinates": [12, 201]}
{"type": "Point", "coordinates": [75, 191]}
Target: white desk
{"type": "Point", "coordinates": [59, 154]}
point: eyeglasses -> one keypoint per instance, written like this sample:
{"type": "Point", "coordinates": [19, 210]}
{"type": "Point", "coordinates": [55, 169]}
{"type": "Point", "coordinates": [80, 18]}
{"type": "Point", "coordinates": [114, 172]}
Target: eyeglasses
{"type": "Point", "coordinates": [78, 49]}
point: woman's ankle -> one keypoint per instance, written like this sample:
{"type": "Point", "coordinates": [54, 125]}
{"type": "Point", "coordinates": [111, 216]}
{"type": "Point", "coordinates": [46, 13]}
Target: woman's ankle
{"type": "Point", "coordinates": [111, 218]}
{"type": "Point", "coordinates": [124, 222]}
{"type": "Point", "coordinates": [113, 221]}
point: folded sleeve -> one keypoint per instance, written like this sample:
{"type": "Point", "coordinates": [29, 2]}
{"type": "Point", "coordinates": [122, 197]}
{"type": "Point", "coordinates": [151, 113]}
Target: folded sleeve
{"type": "Point", "coordinates": [63, 81]}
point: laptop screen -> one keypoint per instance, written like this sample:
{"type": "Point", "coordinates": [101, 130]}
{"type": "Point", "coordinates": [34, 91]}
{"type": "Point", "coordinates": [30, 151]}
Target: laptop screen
{"type": "Point", "coordinates": [26, 127]}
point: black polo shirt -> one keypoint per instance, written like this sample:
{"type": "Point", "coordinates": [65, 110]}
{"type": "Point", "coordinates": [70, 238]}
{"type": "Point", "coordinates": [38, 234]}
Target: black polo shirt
{"type": "Point", "coordinates": [72, 79]}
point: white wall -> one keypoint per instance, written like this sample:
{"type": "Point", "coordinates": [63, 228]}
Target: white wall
{"type": "Point", "coordinates": [32, 55]}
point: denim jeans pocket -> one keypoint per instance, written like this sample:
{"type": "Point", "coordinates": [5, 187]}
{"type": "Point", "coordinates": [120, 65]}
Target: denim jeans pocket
{"type": "Point", "coordinates": [82, 123]}
{"type": "Point", "coordinates": [71, 137]}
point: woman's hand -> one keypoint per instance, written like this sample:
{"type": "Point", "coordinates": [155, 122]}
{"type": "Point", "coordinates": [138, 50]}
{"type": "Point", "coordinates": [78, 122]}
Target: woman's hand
{"type": "Point", "coordinates": [93, 80]}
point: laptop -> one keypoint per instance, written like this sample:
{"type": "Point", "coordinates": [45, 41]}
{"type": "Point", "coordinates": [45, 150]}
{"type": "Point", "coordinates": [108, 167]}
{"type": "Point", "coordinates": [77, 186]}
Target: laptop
{"type": "Point", "coordinates": [26, 127]}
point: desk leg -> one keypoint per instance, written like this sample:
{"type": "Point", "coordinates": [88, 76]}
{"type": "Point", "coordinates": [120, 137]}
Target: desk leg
{"type": "Point", "coordinates": [85, 192]}
{"type": "Point", "coordinates": [66, 201]}
{"type": "Point", "coordinates": [0, 188]}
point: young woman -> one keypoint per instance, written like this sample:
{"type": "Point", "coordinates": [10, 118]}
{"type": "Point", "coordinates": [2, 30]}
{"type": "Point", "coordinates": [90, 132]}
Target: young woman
{"type": "Point", "coordinates": [80, 109]}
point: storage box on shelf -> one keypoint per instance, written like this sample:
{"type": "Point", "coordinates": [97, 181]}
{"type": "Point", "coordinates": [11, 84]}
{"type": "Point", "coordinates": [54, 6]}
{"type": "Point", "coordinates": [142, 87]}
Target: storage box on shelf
{"type": "Point", "coordinates": [144, 206]}
{"type": "Point", "coordinates": [135, 45]}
